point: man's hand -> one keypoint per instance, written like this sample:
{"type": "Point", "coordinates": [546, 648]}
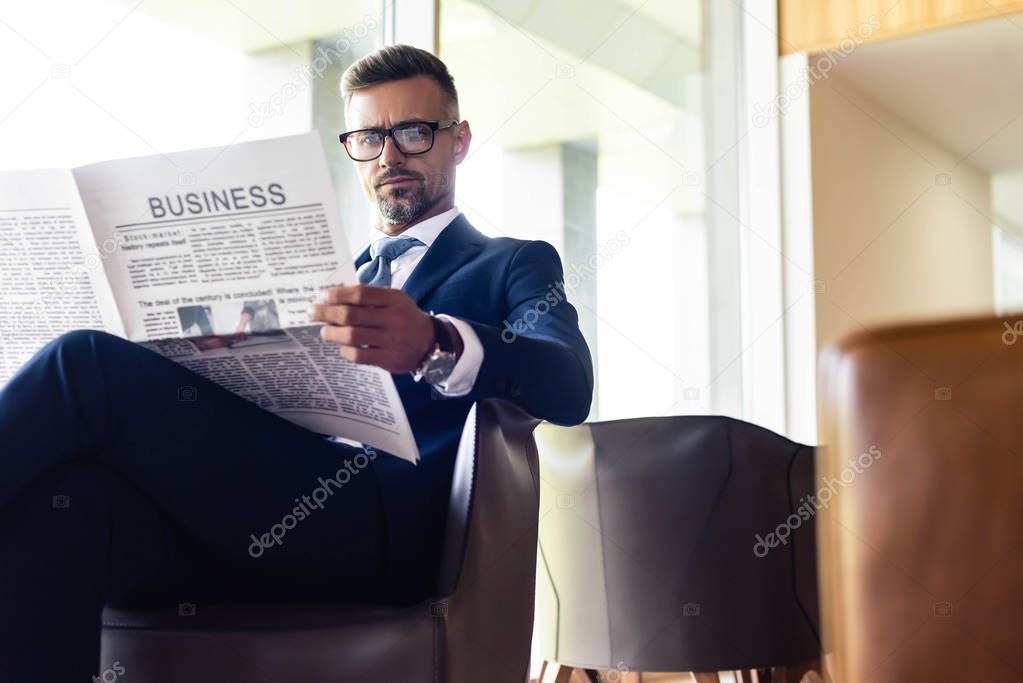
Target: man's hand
{"type": "Point", "coordinates": [375, 325]}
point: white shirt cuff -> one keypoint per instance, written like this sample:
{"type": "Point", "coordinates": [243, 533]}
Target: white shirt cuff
{"type": "Point", "coordinates": [463, 375]}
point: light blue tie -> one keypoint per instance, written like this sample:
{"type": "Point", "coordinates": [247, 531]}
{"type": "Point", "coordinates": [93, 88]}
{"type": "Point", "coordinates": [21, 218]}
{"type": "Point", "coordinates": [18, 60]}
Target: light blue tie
{"type": "Point", "coordinates": [377, 271]}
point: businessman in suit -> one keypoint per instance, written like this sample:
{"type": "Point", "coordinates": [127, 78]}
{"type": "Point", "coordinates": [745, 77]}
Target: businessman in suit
{"type": "Point", "coordinates": [127, 479]}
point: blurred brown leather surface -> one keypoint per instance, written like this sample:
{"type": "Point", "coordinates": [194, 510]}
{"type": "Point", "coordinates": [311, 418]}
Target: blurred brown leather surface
{"type": "Point", "coordinates": [920, 553]}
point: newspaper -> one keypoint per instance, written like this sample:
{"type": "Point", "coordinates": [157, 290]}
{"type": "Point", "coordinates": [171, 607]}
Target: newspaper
{"type": "Point", "coordinates": [208, 257]}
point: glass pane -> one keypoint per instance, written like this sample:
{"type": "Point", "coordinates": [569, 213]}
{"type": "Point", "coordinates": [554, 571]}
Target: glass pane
{"type": "Point", "coordinates": [1009, 275]}
{"type": "Point", "coordinates": [592, 130]}
{"type": "Point", "coordinates": [328, 118]}
{"type": "Point", "coordinates": [108, 80]}
{"type": "Point", "coordinates": [103, 79]}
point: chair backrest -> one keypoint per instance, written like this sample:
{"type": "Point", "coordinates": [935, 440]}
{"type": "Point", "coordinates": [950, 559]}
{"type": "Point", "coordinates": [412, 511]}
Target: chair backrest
{"type": "Point", "coordinates": [488, 567]}
{"type": "Point", "coordinates": [648, 546]}
{"type": "Point", "coordinates": [921, 550]}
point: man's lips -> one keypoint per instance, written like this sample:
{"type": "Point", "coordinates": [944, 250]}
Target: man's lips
{"type": "Point", "coordinates": [404, 180]}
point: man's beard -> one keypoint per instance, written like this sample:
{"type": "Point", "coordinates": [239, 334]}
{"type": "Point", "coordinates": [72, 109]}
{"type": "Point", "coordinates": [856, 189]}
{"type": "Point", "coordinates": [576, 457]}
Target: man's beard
{"type": "Point", "coordinates": [402, 206]}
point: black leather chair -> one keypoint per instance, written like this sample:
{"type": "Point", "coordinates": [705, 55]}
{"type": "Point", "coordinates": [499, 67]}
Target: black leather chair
{"type": "Point", "coordinates": [649, 559]}
{"type": "Point", "coordinates": [478, 627]}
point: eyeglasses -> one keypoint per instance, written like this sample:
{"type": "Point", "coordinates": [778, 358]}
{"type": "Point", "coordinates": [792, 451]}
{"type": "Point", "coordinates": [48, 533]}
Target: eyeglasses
{"type": "Point", "coordinates": [410, 137]}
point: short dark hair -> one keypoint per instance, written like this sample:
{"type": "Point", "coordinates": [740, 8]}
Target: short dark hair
{"type": "Point", "coordinates": [395, 63]}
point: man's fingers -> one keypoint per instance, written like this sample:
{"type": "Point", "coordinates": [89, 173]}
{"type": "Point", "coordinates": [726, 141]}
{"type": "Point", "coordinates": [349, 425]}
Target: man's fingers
{"type": "Point", "coordinates": [344, 314]}
{"type": "Point", "coordinates": [373, 325]}
{"type": "Point", "coordinates": [355, 336]}
{"type": "Point", "coordinates": [378, 357]}
{"type": "Point", "coordinates": [359, 295]}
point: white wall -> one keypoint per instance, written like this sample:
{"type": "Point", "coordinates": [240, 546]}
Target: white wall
{"type": "Point", "coordinates": [901, 231]}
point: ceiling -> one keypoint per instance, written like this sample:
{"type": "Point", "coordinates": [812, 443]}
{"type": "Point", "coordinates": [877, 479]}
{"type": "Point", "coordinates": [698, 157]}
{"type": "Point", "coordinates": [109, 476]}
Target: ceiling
{"type": "Point", "coordinates": [254, 25]}
{"type": "Point", "coordinates": [508, 54]}
{"type": "Point", "coordinates": [582, 66]}
{"type": "Point", "coordinates": [582, 24]}
{"type": "Point", "coordinates": [962, 86]}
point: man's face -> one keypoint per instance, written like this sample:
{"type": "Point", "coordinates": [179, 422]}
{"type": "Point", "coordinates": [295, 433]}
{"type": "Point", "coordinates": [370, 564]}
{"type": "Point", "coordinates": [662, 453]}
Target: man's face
{"type": "Point", "coordinates": [408, 188]}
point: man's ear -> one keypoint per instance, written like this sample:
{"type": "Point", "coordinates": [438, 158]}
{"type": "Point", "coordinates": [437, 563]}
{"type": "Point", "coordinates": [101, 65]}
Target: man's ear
{"type": "Point", "coordinates": [463, 136]}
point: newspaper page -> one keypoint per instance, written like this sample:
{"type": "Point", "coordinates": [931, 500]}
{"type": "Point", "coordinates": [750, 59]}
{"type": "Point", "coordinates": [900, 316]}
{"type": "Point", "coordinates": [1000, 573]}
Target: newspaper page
{"type": "Point", "coordinates": [51, 275]}
{"type": "Point", "coordinates": [219, 254]}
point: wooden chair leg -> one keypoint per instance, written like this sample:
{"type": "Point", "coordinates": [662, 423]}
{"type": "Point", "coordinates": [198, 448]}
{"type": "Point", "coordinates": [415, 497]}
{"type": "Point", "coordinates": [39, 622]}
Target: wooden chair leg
{"type": "Point", "coordinates": [552, 672]}
{"type": "Point", "coordinates": [613, 676]}
{"type": "Point", "coordinates": [706, 677]}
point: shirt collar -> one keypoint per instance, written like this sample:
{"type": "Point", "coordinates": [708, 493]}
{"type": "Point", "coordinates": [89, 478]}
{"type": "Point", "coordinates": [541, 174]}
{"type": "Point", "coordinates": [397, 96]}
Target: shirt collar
{"type": "Point", "coordinates": [424, 231]}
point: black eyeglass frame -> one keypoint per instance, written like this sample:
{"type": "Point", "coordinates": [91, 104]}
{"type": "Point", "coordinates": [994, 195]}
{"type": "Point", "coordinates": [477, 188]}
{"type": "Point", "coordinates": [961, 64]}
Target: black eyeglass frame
{"type": "Point", "coordinates": [389, 132]}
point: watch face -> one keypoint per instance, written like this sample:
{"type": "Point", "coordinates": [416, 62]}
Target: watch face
{"type": "Point", "coordinates": [438, 367]}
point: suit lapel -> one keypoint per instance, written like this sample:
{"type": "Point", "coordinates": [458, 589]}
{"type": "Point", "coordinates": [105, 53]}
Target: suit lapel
{"type": "Point", "coordinates": [457, 243]}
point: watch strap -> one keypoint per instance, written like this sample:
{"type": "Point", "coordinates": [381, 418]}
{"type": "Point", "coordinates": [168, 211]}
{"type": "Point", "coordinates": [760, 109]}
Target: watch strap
{"type": "Point", "coordinates": [447, 336]}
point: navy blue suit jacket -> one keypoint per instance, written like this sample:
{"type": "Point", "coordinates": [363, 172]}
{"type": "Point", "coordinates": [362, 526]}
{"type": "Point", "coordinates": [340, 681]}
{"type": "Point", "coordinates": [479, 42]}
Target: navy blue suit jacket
{"type": "Point", "coordinates": [510, 291]}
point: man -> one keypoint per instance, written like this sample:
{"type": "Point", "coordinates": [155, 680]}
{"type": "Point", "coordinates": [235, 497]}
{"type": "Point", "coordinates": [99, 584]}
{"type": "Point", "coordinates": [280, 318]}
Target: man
{"type": "Point", "coordinates": [116, 488]}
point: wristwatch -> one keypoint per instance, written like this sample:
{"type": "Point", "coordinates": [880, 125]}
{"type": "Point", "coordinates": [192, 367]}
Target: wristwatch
{"type": "Point", "coordinates": [439, 362]}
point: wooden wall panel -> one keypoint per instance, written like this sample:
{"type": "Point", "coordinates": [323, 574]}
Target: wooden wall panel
{"type": "Point", "coordinates": [815, 25]}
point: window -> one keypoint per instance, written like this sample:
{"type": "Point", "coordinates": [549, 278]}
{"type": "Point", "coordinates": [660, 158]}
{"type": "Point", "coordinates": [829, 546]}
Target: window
{"type": "Point", "coordinates": [110, 80]}
{"type": "Point", "coordinates": [605, 127]}
{"type": "Point", "coordinates": [611, 128]}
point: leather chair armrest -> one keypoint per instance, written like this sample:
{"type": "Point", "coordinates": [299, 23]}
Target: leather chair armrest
{"type": "Point", "coordinates": [488, 566]}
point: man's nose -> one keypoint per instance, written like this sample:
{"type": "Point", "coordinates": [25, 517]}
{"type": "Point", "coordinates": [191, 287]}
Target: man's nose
{"type": "Point", "coordinates": [391, 155]}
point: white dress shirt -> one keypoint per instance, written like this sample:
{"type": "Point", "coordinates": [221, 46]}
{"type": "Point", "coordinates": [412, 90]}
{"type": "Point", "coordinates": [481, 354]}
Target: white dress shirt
{"type": "Point", "coordinates": [463, 376]}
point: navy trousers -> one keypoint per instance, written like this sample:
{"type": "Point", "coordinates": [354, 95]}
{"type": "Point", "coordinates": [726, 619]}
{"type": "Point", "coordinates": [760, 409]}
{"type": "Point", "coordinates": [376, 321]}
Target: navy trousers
{"type": "Point", "coordinates": [126, 479]}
